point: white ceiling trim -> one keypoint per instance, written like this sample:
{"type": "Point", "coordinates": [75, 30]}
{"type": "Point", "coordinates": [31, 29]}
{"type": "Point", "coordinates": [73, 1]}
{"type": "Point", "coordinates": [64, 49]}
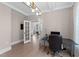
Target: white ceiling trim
{"type": "Point", "coordinates": [67, 6]}
{"type": "Point", "coordinates": [56, 8]}
{"type": "Point", "coordinates": [60, 8]}
{"type": "Point", "coordinates": [14, 8]}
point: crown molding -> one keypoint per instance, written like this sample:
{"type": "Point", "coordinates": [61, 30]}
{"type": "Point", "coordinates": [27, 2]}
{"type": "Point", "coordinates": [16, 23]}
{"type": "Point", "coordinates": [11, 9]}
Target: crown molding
{"type": "Point", "coordinates": [14, 8]}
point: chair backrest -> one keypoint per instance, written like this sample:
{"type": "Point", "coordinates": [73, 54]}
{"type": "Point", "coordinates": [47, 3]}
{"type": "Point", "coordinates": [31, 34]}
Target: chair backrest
{"type": "Point", "coordinates": [53, 32]}
{"type": "Point", "coordinates": [55, 42]}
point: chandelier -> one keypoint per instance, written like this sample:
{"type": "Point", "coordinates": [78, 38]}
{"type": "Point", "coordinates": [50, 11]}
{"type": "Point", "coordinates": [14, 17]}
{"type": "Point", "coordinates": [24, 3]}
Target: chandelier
{"type": "Point", "coordinates": [33, 7]}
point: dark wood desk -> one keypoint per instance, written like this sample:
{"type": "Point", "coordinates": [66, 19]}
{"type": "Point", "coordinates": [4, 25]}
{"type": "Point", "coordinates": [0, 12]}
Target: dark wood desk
{"type": "Point", "coordinates": [69, 45]}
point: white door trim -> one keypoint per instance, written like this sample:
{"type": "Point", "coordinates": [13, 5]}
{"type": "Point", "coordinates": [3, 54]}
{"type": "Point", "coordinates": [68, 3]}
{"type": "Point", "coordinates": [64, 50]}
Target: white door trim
{"type": "Point", "coordinates": [29, 32]}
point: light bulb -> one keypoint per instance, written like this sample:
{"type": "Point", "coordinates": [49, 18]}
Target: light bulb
{"type": "Point", "coordinates": [37, 13]}
{"type": "Point", "coordinates": [33, 10]}
{"type": "Point", "coordinates": [36, 8]}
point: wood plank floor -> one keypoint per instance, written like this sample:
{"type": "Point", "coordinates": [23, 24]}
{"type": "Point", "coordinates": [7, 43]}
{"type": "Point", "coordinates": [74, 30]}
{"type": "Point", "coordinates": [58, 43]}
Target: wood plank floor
{"type": "Point", "coordinates": [29, 50]}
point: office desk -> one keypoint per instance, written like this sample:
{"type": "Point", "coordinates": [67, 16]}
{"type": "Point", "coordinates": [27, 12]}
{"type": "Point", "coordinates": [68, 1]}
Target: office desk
{"type": "Point", "coordinates": [69, 45]}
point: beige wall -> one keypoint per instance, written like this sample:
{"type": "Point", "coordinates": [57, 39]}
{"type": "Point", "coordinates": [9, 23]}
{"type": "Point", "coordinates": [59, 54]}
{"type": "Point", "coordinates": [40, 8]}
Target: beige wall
{"type": "Point", "coordinates": [5, 26]}
{"type": "Point", "coordinates": [17, 19]}
{"type": "Point", "coordinates": [59, 20]}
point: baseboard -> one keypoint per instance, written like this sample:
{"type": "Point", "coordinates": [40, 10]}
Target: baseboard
{"type": "Point", "coordinates": [16, 42]}
{"type": "Point", "coordinates": [5, 50]}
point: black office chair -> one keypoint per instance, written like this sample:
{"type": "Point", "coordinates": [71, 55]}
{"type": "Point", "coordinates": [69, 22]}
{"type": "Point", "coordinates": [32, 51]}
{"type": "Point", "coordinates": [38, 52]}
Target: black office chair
{"type": "Point", "coordinates": [55, 32]}
{"type": "Point", "coordinates": [55, 42]}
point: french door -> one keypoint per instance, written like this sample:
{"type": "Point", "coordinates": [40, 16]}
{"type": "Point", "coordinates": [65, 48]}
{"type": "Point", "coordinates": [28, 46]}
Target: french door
{"type": "Point", "coordinates": [27, 31]}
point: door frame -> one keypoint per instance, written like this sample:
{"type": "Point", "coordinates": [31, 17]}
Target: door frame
{"type": "Point", "coordinates": [29, 32]}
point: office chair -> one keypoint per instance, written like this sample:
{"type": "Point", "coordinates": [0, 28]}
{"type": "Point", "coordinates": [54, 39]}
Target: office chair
{"type": "Point", "coordinates": [55, 42]}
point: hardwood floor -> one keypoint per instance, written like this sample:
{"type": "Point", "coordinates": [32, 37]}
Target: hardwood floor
{"type": "Point", "coordinates": [31, 49]}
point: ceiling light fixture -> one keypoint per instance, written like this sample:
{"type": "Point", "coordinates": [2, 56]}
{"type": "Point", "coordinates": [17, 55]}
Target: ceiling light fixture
{"type": "Point", "coordinates": [33, 6]}
{"type": "Point", "coordinates": [37, 13]}
{"type": "Point", "coordinates": [33, 10]}
{"type": "Point", "coordinates": [36, 9]}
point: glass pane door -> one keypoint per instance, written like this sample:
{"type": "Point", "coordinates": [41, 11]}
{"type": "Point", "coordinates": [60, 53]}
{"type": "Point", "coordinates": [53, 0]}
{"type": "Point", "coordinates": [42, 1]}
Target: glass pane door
{"type": "Point", "coordinates": [27, 33]}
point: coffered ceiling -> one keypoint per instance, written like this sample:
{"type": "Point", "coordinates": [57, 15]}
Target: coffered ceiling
{"type": "Point", "coordinates": [52, 6]}
{"type": "Point", "coordinates": [43, 6]}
